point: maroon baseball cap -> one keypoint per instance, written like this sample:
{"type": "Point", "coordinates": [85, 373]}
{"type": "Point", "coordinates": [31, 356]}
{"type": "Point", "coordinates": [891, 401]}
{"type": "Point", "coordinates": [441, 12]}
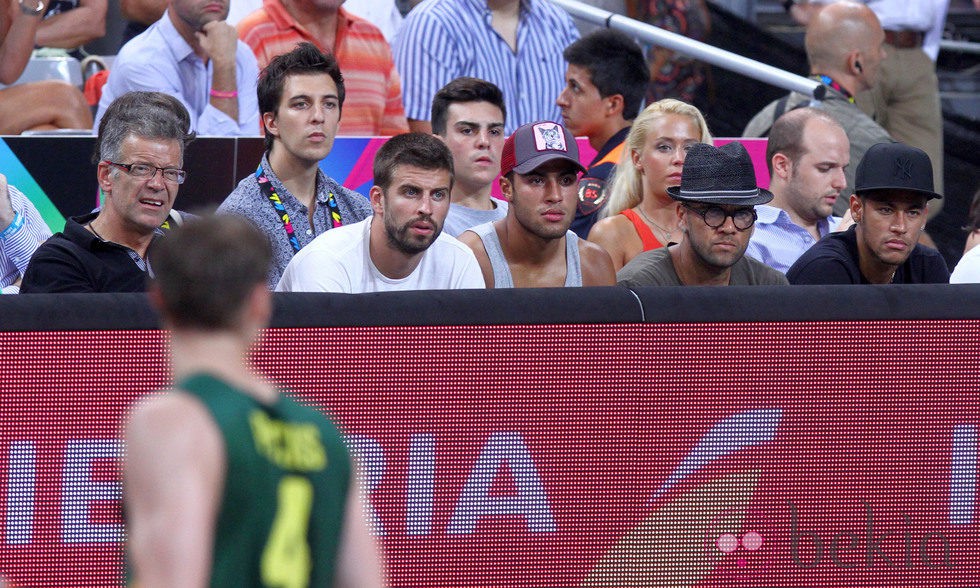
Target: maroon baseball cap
{"type": "Point", "coordinates": [534, 144]}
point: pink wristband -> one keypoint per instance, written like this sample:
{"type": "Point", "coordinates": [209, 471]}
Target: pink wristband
{"type": "Point", "coordinates": [220, 94]}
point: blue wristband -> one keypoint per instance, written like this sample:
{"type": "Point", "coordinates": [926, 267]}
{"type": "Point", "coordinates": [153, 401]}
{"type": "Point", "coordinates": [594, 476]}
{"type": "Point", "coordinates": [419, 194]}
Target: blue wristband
{"type": "Point", "coordinates": [15, 226]}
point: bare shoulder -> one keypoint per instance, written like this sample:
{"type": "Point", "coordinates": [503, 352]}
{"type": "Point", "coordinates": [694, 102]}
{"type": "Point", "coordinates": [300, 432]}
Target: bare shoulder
{"type": "Point", "coordinates": [170, 412]}
{"type": "Point", "coordinates": [173, 424]}
{"type": "Point", "coordinates": [173, 473]}
{"type": "Point", "coordinates": [611, 229]}
{"type": "Point", "coordinates": [597, 265]}
{"type": "Point", "coordinates": [475, 243]}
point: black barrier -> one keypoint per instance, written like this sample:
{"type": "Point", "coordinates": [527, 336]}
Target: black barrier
{"type": "Point", "coordinates": [80, 312]}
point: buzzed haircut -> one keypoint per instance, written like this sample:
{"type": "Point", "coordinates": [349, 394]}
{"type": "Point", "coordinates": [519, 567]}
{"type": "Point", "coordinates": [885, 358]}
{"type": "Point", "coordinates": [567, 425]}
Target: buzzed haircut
{"type": "Point", "coordinates": [421, 150]}
{"type": "Point", "coordinates": [616, 65]}
{"type": "Point", "coordinates": [151, 115]}
{"type": "Point", "coordinates": [207, 268]}
{"type": "Point", "coordinates": [463, 89]}
{"type": "Point", "coordinates": [786, 136]}
{"type": "Point", "coordinates": [305, 59]}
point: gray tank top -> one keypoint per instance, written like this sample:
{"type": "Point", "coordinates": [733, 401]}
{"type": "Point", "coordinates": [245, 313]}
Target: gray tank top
{"type": "Point", "coordinates": [501, 271]}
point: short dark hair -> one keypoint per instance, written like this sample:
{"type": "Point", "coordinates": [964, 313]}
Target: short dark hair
{"type": "Point", "coordinates": [463, 89]}
{"type": "Point", "coordinates": [616, 65]}
{"type": "Point", "coordinates": [420, 150]}
{"type": "Point", "coordinates": [206, 268]}
{"type": "Point", "coordinates": [305, 59]}
{"type": "Point", "coordinates": [786, 136]}
{"type": "Point", "coordinates": [153, 115]}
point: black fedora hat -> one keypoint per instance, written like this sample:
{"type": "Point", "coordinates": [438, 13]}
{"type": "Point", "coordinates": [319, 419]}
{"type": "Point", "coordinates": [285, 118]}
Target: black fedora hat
{"type": "Point", "coordinates": [895, 166]}
{"type": "Point", "coordinates": [719, 175]}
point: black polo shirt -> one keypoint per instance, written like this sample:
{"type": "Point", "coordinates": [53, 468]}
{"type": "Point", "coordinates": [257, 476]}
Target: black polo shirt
{"type": "Point", "coordinates": [75, 260]}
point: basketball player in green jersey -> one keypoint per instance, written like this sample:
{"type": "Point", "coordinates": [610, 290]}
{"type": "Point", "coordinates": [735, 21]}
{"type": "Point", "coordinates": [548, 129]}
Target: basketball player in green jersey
{"type": "Point", "coordinates": [227, 482]}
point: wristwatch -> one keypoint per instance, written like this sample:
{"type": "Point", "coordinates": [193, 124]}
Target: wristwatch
{"type": "Point", "coordinates": [32, 11]}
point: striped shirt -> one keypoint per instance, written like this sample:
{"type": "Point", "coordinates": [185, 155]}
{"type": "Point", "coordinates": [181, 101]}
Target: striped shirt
{"type": "Point", "coordinates": [160, 60]}
{"type": "Point", "coordinates": [778, 242]}
{"type": "Point", "coordinates": [373, 102]}
{"type": "Point", "coordinates": [17, 248]}
{"type": "Point", "coordinates": [442, 40]}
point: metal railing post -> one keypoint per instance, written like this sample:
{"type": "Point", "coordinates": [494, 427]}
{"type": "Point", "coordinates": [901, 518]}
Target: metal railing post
{"type": "Point", "coordinates": [696, 49]}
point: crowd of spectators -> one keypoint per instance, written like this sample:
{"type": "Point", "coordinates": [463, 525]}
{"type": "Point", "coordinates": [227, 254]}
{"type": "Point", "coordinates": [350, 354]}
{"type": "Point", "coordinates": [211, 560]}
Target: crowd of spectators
{"type": "Point", "coordinates": [491, 92]}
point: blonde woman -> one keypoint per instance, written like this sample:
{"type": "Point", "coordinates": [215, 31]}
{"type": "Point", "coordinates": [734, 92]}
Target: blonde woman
{"type": "Point", "coordinates": [640, 215]}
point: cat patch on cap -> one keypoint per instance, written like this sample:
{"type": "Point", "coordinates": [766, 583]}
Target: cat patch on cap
{"type": "Point", "coordinates": [549, 137]}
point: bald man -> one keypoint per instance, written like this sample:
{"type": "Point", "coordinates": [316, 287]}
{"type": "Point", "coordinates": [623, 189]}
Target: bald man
{"type": "Point", "coordinates": [905, 101]}
{"type": "Point", "coordinates": [806, 155]}
{"type": "Point", "coordinates": [844, 45]}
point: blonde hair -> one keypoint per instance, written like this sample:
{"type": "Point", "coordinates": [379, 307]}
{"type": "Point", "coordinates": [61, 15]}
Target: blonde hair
{"type": "Point", "coordinates": [626, 185]}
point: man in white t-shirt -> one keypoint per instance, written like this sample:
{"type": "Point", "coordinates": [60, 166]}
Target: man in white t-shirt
{"type": "Point", "coordinates": [402, 246]}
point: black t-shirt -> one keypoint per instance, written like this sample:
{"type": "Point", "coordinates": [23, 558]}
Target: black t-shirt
{"type": "Point", "coordinates": [834, 260]}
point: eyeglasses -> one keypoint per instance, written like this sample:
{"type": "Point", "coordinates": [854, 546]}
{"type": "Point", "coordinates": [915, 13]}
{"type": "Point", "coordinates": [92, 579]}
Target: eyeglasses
{"type": "Point", "coordinates": [146, 171]}
{"type": "Point", "coordinates": [715, 216]}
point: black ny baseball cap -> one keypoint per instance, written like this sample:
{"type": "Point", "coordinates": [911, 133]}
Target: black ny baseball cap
{"type": "Point", "coordinates": [895, 166]}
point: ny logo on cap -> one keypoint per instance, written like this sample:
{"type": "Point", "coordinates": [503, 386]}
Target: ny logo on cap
{"type": "Point", "coordinates": [903, 168]}
{"type": "Point", "coordinates": [548, 137]}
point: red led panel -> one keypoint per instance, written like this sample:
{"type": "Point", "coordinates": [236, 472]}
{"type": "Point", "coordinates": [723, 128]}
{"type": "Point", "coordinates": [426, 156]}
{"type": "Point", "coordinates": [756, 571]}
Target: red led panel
{"type": "Point", "coordinates": [783, 454]}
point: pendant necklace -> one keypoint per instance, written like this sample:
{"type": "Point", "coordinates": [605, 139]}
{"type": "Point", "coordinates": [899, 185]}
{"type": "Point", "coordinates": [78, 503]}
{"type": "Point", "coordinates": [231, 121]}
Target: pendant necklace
{"type": "Point", "coordinates": [665, 232]}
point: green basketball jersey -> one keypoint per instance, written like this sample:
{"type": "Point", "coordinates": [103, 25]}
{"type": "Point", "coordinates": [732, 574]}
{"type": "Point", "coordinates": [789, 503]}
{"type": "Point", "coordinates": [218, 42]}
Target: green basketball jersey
{"type": "Point", "coordinates": [282, 508]}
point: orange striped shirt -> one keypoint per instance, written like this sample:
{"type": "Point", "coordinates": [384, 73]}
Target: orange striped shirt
{"type": "Point", "coordinates": [373, 105]}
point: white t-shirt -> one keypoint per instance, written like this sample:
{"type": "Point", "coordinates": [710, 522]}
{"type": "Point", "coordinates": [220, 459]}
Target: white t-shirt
{"type": "Point", "coordinates": [339, 261]}
{"type": "Point", "coordinates": [967, 271]}
{"type": "Point", "coordinates": [383, 14]}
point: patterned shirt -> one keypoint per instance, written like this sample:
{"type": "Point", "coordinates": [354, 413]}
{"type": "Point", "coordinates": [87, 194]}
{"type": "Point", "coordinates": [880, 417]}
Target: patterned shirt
{"type": "Point", "coordinates": [247, 200]}
{"type": "Point", "coordinates": [778, 242]}
{"type": "Point", "coordinates": [442, 40]}
{"type": "Point", "coordinates": [373, 102]}
{"type": "Point", "coordinates": [19, 245]}
{"type": "Point", "coordinates": [160, 60]}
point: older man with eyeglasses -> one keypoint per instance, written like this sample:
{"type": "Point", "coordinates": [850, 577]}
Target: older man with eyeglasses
{"type": "Point", "coordinates": [141, 154]}
{"type": "Point", "coordinates": [718, 194]}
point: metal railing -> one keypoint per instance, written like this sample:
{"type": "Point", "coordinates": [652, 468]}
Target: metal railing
{"type": "Point", "coordinates": [696, 49]}
{"type": "Point", "coordinates": [959, 46]}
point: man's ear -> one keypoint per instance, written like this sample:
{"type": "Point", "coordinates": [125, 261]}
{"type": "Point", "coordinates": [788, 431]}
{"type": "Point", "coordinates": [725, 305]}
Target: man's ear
{"type": "Point", "coordinates": [259, 306]}
{"type": "Point", "coordinates": [782, 166]}
{"type": "Point", "coordinates": [614, 104]}
{"type": "Point", "coordinates": [270, 123]}
{"type": "Point", "coordinates": [506, 188]}
{"type": "Point", "coordinates": [102, 175]}
{"type": "Point", "coordinates": [854, 64]}
{"type": "Point", "coordinates": [377, 197]}
{"type": "Point", "coordinates": [682, 217]}
{"type": "Point", "coordinates": [857, 208]}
